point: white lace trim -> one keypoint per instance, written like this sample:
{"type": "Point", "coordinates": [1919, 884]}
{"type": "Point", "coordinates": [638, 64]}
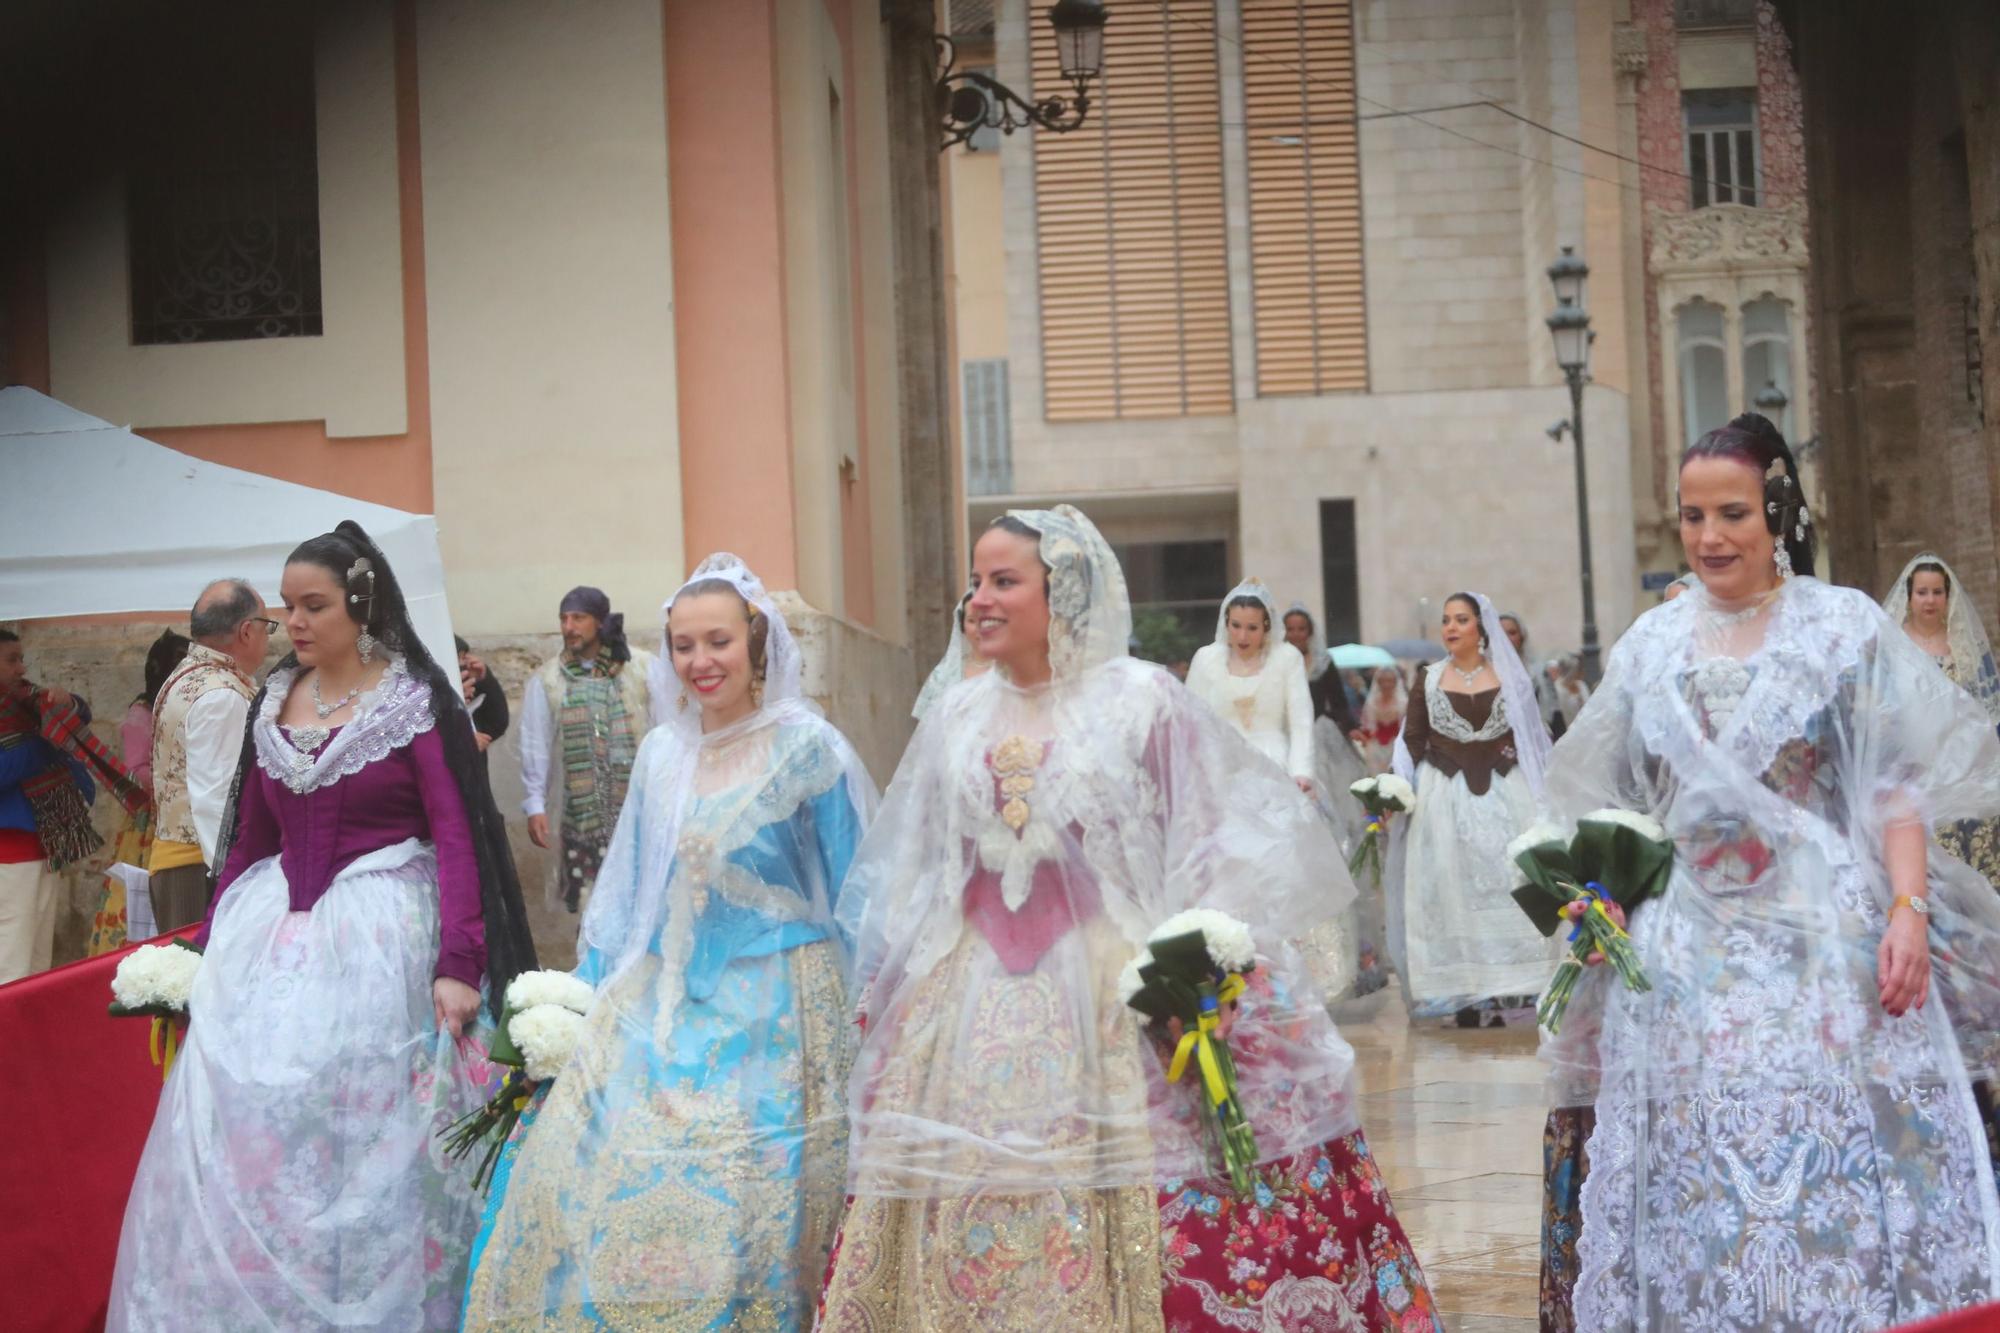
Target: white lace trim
{"type": "Point", "coordinates": [1449, 723]}
{"type": "Point", "coordinates": [386, 718]}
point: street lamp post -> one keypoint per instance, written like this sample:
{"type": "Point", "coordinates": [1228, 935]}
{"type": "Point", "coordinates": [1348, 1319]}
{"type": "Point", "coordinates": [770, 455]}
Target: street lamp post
{"type": "Point", "coordinates": [1569, 326]}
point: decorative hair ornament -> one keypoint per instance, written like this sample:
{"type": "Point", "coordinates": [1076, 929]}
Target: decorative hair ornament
{"type": "Point", "coordinates": [362, 568]}
{"type": "Point", "coordinates": [1784, 508]}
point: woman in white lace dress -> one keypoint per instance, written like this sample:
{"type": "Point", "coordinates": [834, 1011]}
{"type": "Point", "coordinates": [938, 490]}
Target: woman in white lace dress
{"type": "Point", "coordinates": [1257, 682]}
{"type": "Point", "coordinates": [1474, 746]}
{"type": "Point", "coordinates": [1782, 1133]}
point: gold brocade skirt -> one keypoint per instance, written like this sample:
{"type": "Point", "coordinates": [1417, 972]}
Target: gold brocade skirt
{"type": "Point", "coordinates": [1062, 1258]}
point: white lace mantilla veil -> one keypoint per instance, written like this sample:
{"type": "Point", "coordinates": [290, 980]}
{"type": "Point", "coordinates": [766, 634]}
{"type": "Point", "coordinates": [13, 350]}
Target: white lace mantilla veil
{"type": "Point", "coordinates": [1120, 799]}
{"type": "Point", "coordinates": [1971, 653]}
{"type": "Point", "coordinates": [1255, 589]}
{"type": "Point", "coordinates": [1517, 690]}
{"type": "Point", "coordinates": [950, 669]}
{"type": "Point", "coordinates": [636, 897]}
{"type": "Point", "coordinates": [1776, 741]}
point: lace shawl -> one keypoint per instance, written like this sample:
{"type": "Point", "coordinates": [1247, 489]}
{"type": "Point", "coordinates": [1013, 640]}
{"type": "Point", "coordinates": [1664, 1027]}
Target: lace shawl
{"type": "Point", "coordinates": [386, 718]}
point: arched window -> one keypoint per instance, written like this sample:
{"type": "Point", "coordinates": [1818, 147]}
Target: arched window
{"type": "Point", "coordinates": [1767, 353]}
{"type": "Point", "coordinates": [1704, 366]}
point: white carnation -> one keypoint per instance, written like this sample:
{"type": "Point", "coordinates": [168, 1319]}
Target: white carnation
{"type": "Point", "coordinates": [1364, 788]}
{"type": "Point", "coordinates": [545, 1035]}
{"type": "Point", "coordinates": [1129, 981]}
{"type": "Point", "coordinates": [1539, 835]}
{"type": "Point", "coordinates": [1395, 792]}
{"type": "Point", "coordinates": [156, 975]}
{"type": "Point", "coordinates": [1229, 941]}
{"type": "Point", "coordinates": [1644, 825]}
{"type": "Point", "coordinates": [565, 990]}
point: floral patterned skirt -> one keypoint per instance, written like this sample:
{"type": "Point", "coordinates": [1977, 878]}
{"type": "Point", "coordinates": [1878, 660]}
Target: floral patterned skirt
{"type": "Point", "coordinates": [1317, 1248]}
{"type": "Point", "coordinates": [107, 928]}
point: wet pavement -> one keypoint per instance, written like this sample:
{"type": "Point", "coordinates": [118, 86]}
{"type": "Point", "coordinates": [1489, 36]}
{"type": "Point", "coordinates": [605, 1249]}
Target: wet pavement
{"type": "Point", "coordinates": [1455, 1120]}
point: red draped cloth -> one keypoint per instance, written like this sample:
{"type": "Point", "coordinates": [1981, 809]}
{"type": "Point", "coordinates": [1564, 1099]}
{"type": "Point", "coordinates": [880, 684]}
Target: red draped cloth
{"type": "Point", "coordinates": [1979, 1319]}
{"type": "Point", "coordinates": [72, 1123]}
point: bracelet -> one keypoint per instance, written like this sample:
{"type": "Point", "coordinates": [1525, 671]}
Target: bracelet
{"type": "Point", "coordinates": [1918, 904]}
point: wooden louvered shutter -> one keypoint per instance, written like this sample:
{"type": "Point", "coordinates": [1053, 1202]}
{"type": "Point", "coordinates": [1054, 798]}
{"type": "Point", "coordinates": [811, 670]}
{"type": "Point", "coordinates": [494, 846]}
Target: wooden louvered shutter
{"type": "Point", "coordinates": [1305, 196]}
{"type": "Point", "coordinates": [1134, 259]}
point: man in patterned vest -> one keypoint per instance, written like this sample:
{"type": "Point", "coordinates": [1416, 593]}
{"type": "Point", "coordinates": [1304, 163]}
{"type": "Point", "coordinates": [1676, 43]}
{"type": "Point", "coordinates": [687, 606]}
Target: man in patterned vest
{"type": "Point", "coordinates": [198, 722]}
{"type": "Point", "coordinates": [583, 716]}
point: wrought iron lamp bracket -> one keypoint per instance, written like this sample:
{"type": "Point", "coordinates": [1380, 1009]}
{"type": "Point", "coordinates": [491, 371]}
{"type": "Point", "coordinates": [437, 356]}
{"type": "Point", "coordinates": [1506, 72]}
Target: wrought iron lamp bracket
{"type": "Point", "coordinates": [969, 101]}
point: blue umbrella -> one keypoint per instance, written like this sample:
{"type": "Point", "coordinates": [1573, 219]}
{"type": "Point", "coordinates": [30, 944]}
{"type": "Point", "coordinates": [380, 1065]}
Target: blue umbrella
{"type": "Point", "coordinates": [1412, 650]}
{"type": "Point", "coordinates": [1361, 657]}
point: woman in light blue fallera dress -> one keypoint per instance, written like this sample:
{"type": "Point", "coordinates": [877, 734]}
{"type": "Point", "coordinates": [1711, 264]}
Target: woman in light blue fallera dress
{"type": "Point", "coordinates": [686, 1168]}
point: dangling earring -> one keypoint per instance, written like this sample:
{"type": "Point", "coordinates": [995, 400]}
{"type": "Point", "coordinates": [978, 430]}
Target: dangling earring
{"type": "Point", "coordinates": [1783, 559]}
{"type": "Point", "coordinates": [682, 702]}
{"type": "Point", "coordinates": [366, 646]}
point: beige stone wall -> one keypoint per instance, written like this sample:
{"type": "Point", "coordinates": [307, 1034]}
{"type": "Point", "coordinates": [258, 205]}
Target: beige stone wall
{"type": "Point", "coordinates": [555, 437]}
{"type": "Point", "coordinates": [1452, 491]}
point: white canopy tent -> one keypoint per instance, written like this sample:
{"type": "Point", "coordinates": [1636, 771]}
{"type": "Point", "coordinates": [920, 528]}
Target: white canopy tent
{"type": "Point", "coordinates": [95, 519]}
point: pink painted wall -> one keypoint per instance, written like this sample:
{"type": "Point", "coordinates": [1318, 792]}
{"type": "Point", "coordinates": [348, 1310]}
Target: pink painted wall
{"type": "Point", "coordinates": [729, 284]}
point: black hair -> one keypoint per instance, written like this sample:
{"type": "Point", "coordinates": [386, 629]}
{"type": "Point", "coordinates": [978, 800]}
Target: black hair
{"type": "Point", "coordinates": [1477, 618]}
{"type": "Point", "coordinates": [9, 636]}
{"type": "Point", "coordinates": [459, 644]}
{"type": "Point", "coordinates": [959, 614]}
{"type": "Point", "coordinates": [1752, 440]}
{"type": "Point", "coordinates": [1927, 567]}
{"type": "Point", "coordinates": [167, 652]}
{"type": "Point", "coordinates": [363, 578]}
{"type": "Point", "coordinates": [1312, 626]}
{"type": "Point", "coordinates": [1248, 603]}
{"type": "Point", "coordinates": [375, 602]}
{"type": "Point", "coordinates": [1008, 523]}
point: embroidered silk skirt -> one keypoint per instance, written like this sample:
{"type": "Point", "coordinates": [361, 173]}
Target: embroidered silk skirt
{"type": "Point", "coordinates": [1316, 1247]}
{"type": "Point", "coordinates": [293, 1178]}
{"type": "Point", "coordinates": [685, 1169]}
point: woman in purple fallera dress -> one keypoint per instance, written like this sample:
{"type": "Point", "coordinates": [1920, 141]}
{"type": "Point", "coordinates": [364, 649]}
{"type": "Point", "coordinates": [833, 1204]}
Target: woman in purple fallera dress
{"type": "Point", "coordinates": [294, 1177]}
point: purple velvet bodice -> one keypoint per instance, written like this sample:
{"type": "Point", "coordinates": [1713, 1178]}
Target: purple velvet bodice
{"type": "Point", "coordinates": [407, 792]}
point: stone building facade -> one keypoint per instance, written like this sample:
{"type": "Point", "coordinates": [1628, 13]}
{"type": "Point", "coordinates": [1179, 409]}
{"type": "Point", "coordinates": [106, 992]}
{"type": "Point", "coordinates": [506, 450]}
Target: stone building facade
{"type": "Point", "coordinates": [1902, 108]}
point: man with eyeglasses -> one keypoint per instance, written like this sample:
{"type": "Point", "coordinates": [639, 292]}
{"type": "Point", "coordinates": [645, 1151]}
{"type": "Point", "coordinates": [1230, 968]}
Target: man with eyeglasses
{"type": "Point", "coordinates": [198, 723]}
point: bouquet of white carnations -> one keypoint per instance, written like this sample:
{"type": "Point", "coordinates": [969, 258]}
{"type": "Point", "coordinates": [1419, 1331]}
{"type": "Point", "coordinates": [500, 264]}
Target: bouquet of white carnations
{"type": "Point", "coordinates": [539, 1029]}
{"type": "Point", "coordinates": [154, 981]}
{"type": "Point", "coordinates": [1380, 797]}
{"type": "Point", "coordinates": [1193, 965]}
{"type": "Point", "coordinates": [1617, 857]}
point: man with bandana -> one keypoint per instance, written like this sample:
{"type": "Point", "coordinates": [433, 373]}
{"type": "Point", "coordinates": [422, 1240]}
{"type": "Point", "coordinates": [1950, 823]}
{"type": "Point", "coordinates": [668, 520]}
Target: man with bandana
{"type": "Point", "coordinates": [582, 718]}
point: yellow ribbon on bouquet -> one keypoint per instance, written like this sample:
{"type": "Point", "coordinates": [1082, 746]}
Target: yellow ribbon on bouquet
{"type": "Point", "coordinates": [1200, 1044]}
{"type": "Point", "coordinates": [164, 1058]}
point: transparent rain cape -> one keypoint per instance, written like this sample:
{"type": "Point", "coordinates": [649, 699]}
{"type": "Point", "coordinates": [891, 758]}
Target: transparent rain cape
{"type": "Point", "coordinates": [950, 669]}
{"type": "Point", "coordinates": [1972, 663]}
{"type": "Point", "coordinates": [688, 1161]}
{"type": "Point", "coordinates": [1772, 1151]}
{"type": "Point", "coordinates": [1030, 841]}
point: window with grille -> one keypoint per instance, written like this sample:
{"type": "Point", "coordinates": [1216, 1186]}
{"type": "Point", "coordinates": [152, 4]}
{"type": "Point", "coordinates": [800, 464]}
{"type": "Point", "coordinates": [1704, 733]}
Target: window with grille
{"type": "Point", "coordinates": [1305, 196]}
{"type": "Point", "coordinates": [989, 443]}
{"type": "Point", "coordinates": [1722, 163]}
{"type": "Point", "coordinates": [1130, 225]}
{"type": "Point", "coordinates": [223, 173]}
